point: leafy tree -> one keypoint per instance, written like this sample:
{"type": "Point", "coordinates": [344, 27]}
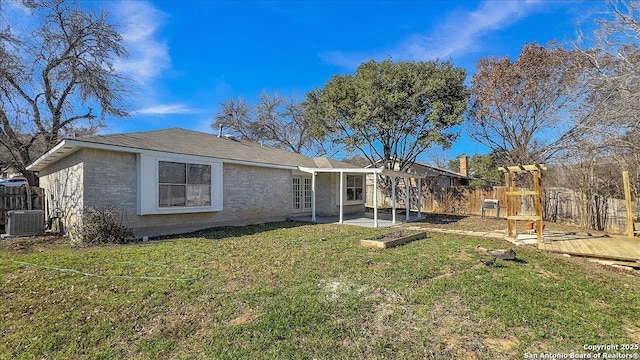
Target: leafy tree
{"type": "Point", "coordinates": [51, 77]}
{"type": "Point", "coordinates": [519, 109]}
{"type": "Point", "coordinates": [390, 111]}
{"type": "Point", "coordinates": [274, 121]}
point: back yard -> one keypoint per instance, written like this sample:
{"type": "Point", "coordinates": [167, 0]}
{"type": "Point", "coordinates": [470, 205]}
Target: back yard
{"type": "Point", "coordinates": [289, 290]}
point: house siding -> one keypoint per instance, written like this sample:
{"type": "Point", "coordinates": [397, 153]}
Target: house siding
{"type": "Point", "coordinates": [327, 196]}
{"type": "Point", "coordinates": [109, 178]}
{"type": "Point", "coordinates": [323, 194]}
{"type": "Point", "coordinates": [63, 184]}
{"type": "Point", "coordinates": [251, 195]}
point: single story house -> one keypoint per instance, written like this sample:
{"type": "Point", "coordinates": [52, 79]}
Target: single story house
{"type": "Point", "coordinates": [433, 180]}
{"type": "Point", "coordinates": [175, 180]}
{"type": "Point", "coordinates": [440, 178]}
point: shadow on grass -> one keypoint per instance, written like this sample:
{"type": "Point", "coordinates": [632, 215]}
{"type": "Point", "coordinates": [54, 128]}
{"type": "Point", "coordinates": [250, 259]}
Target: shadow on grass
{"type": "Point", "coordinates": [218, 233]}
{"type": "Point", "coordinates": [517, 261]}
{"type": "Point", "coordinates": [432, 218]}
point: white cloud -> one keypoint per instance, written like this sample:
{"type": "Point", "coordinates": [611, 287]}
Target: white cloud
{"type": "Point", "coordinates": [457, 35]}
{"type": "Point", "coordinates": [166, 109]}
{"type": "Point", "coordinates": [460, 32]}
{"type": "Point", "coordinates": [148, 56]}
{"type": "Point", "coordinates": [347, 60]}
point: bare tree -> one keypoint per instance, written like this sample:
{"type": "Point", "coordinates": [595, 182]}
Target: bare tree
{"type": "Point", "coordinates": [274, 121]}
{"type": "Point", "coordinates": [614, 100]}
{"type": "Point", "coordinates": [518, 109]}
{"type": "Point", "coordinates": [51, 77]}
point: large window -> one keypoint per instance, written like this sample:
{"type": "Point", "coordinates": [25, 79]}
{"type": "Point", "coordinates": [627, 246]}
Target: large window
{"type": "Point", "coordinates": [355, 188]}
{"type": "Point", "coordinates": [182, 184]}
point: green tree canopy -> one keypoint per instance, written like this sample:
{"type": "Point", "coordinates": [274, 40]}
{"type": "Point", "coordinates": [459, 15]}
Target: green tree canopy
{"type": "Point", "coordinates": [390, 111]}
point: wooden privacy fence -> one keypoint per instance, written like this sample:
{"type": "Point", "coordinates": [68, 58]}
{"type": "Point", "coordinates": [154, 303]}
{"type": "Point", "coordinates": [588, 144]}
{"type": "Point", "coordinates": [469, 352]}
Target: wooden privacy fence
{"type": "Point", "coordinates": [594, 212]}
{"type": "Point", "coordinates": [19, 198]}
{"type": "Point", "coordinates": [559, 205]}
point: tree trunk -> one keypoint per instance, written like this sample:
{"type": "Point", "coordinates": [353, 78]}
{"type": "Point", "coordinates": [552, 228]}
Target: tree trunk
{"type": "Point", "coordinates": [31, 178]}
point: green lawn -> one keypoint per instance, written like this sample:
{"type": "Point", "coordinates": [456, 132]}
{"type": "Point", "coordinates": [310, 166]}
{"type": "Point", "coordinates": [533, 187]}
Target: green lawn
{"type": "Point", "coordinates": [304, 292]}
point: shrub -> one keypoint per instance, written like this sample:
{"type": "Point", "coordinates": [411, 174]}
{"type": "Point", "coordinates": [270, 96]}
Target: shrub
{"type": "Point", "coordinates": [103, 226]}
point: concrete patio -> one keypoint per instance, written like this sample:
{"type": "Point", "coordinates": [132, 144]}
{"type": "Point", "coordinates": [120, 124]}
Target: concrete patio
{"type": "Point", "coordinates": [360, 219]}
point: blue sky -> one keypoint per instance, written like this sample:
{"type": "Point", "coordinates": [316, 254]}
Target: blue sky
{"type": "Point", "coordinates": [189, 56]}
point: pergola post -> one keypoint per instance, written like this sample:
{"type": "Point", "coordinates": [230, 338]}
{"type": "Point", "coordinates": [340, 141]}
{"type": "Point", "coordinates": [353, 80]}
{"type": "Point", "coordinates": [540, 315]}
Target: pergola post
{"type": "Point", "coordinates": [537, 204]}
{"type": "Point", "coordinates": [510, 222]}
{"type": "Point", "coordinates": [341, 190]}
{"type": "Point", "coordinates": [313, 196]}
{"type": "Point", "coordinates": [419, 204]}
{"type": "Point", "coordinates": [407, 201]}
{"type": "Point", "coordinates": [393, 199]}
{"type": "Point", "coordinates": [375, 200]}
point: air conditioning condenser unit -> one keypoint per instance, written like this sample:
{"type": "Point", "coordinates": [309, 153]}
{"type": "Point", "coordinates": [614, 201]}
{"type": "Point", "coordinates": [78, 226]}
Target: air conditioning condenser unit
{"type": "Point", "coordinates": [25, 222]}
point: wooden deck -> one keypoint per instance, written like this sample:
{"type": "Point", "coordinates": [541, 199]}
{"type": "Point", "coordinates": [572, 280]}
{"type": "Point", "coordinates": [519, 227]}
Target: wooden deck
{"type": "Point", "coordinates": [608, 247]}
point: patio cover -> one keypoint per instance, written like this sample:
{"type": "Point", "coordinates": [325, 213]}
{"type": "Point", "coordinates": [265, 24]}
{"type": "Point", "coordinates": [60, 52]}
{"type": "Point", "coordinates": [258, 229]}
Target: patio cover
{"type": "Point", "coordinates": [373, 171]}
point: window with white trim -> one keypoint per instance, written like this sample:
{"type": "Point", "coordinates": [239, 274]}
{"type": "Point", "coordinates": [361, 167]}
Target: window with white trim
{"type": "Point", "coordinates": [355, 188]}
{"type": "Point", "coordinates": [183, 184]}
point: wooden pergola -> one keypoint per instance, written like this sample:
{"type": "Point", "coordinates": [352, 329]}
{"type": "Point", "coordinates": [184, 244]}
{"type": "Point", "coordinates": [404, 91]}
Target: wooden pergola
{"type": "Point", "coordinates": [510, 176]}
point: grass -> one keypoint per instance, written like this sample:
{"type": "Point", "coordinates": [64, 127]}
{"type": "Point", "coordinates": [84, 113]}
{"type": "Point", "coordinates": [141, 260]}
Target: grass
{"type": "Point", "coordinates": [288, 290]}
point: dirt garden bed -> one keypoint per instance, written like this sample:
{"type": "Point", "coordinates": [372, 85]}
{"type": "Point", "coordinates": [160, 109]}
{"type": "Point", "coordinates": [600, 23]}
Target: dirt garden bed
{"type": "Point", "coordinates": [395, 238]}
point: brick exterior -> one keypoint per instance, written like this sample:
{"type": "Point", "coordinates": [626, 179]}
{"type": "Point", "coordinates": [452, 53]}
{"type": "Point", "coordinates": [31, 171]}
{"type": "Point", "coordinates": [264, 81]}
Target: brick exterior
{"type": "Point", "coordinates": [63, 183]}
{"type": "Point", "coordinates": [99, 178]}
{"type": "Point", "coordinates": [327, 196]}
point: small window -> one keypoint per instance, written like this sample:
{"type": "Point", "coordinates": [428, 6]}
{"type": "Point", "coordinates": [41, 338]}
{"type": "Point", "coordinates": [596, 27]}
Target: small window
{"type": "Point", "coordinates": [182, 184]}
{"type": "Point", "coordinates": [355, 188]}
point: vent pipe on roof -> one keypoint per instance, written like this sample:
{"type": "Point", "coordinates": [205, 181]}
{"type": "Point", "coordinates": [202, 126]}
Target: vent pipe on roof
{"type": "Point", "coordinates": [220, 131]}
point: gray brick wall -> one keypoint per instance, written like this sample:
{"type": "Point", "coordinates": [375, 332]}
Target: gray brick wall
{"type": "Point", "coordinates": [110, 179]}
{"type": "Point", "coordinates": [63, 184]}
{"type": "Point", "coordinates": [251, 194]}
{"type": "Point", "coordinates": [327, 196]}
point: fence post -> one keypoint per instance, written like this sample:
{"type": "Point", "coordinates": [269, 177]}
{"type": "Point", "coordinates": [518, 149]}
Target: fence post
{"type": "Point", "coordinates": [627, 201]}
{"type": "Point", "coordinates": [29, 199]}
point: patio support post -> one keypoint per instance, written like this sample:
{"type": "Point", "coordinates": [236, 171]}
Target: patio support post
{"type": "Point", "coordinates": [375, 200]}
{"type": "Point", "coordinates": [313, 196]}
{"type": "Point", "coordinates": [393, 199]}
{"type": "Point", "coordinates": [407, 201]}
{"type": "Point", "coordinates": [419, 198]}
{"type": "Point", "coordinates": [341, 196]}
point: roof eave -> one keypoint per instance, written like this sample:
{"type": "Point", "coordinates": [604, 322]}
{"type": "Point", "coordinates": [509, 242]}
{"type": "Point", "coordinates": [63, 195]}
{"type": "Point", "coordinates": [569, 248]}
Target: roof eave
{"type": "Point", "coordinates": [63, 149]}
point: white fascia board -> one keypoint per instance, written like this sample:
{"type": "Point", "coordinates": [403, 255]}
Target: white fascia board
{"type": "Point", "coordinates": [56, 149]}
{"type": "Point", "coordinates": [362, 171]}
{"type": "Point", "coordinates": [83, 144]}
{"type": "Point", "coordinates": [340, 170]}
